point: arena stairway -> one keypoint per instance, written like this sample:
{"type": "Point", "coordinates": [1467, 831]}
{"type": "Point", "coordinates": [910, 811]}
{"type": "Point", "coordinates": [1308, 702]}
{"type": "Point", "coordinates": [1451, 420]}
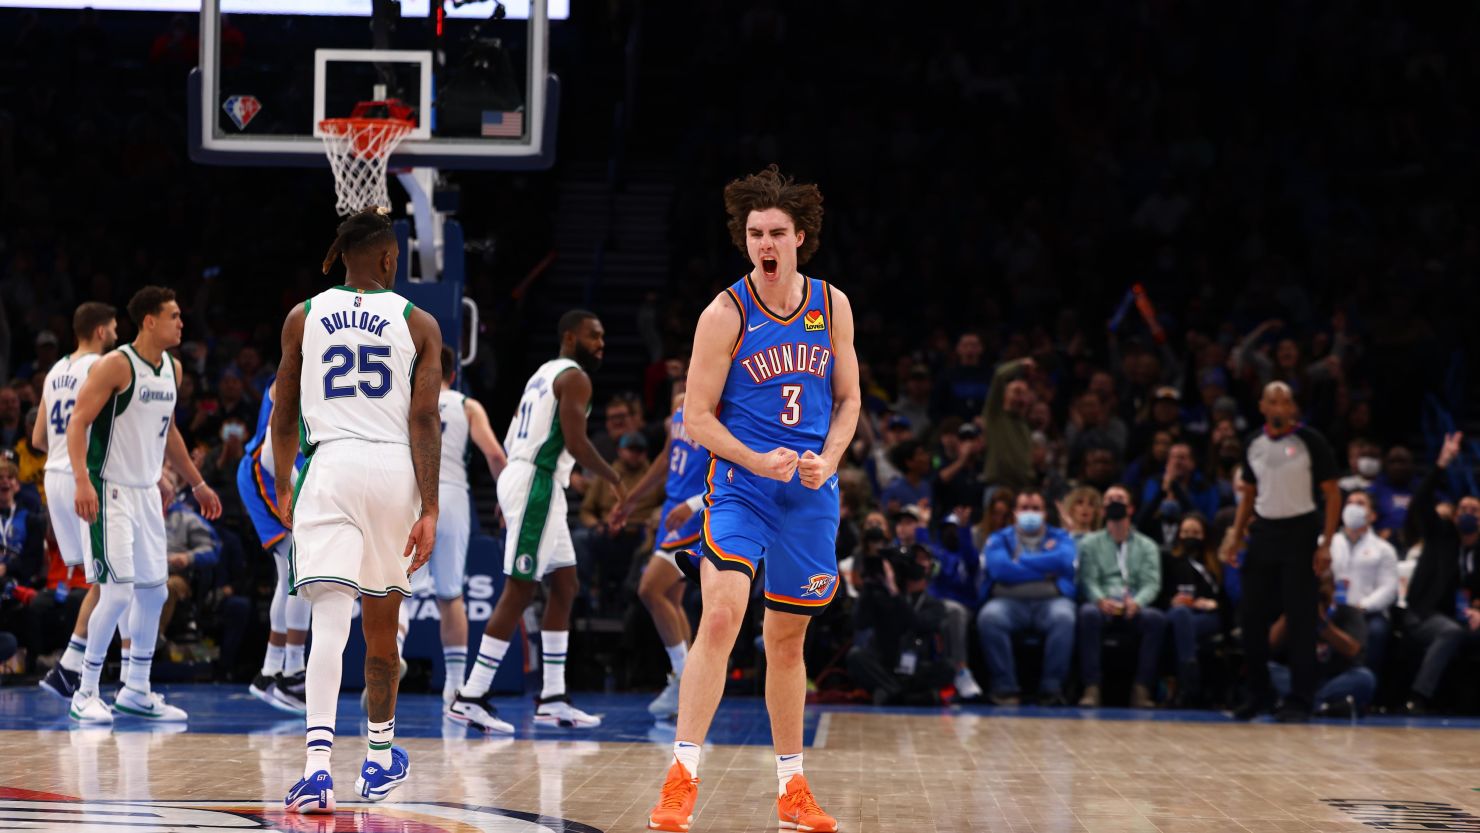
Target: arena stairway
{"type": "Point", "coordinates": [613, 249]}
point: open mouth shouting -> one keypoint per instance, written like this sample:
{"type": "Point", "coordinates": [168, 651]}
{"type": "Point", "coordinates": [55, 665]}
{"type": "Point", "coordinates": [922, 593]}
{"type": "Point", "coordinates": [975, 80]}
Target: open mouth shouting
{"type": "Point", "coordinates": [769, 267]}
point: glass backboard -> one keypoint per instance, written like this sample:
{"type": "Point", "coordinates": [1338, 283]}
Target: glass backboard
{"type": "Point", "coordinates": [475, 75]}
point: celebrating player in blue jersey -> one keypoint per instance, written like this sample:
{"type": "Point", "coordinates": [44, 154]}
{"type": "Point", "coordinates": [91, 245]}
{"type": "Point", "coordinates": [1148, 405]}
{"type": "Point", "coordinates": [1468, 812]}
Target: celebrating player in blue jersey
{"type": "Point", "coordinates": [773, 394]}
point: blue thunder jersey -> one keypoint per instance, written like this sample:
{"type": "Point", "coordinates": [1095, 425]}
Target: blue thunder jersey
{"type": "Point", "coordinates": [256, 480]}
{"type": "Point", "coordinates": [779, 392]}
{"type": "Point", "coordinates": [687, 463]}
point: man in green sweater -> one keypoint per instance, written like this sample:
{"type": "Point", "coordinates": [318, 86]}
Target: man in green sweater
{"type": "Point", "coordinates": [1119, 578]}
{"type": "Point", "coordinates": [1009, 437]}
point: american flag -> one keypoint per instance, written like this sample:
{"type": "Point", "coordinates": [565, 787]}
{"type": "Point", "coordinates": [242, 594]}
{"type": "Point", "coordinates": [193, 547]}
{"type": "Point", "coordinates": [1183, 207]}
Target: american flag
{"type": "Point", "coordinates": [503, 123]}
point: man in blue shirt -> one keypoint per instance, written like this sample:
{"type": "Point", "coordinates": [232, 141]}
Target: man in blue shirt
{"type": "Point", "coordinates": [1028, 585]}
{"type": "Point", "coordinates": [915, 486]}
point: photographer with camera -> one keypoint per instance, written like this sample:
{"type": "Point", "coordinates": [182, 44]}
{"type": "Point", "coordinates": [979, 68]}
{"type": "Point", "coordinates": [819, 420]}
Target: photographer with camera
{"type": "Point", "coordinates": [896, 652]}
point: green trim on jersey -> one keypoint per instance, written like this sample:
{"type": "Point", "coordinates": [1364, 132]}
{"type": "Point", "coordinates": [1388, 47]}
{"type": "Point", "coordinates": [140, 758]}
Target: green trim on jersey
{"type": "Point", "coordinates": [307, 305]}
{"type": "Point", "coordinates": [298, 484]}
{"type": "Point", "coordinates": [532, 525]}
{"type": "Point", "coordinates": [406, 313]}
{"type": "Point", "coordinates": [97, 531]}
{"type": "Point", "coordinates": [100, 434]}
{"type": "Point", "coordinates": [157, 368]}
{"type": "Point", "coordinates": [549, 453]}
{"type": "Point", "coordinates": [306, 445]}
{"type": "Point", "coordinates": [348, 288]}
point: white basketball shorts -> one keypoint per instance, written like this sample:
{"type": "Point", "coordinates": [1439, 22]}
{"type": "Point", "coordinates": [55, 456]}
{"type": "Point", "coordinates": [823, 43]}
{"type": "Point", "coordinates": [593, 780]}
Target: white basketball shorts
{"type": "Point", "coordinates": [128, 538]}
{"type": "Point", "coordinates": [538, 539]}
{"type": "Point", "coordinates": [353, 509]}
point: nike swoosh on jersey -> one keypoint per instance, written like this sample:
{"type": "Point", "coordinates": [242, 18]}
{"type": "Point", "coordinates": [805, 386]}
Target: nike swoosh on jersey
{"type": "Point", "coordinates": [756, 327]}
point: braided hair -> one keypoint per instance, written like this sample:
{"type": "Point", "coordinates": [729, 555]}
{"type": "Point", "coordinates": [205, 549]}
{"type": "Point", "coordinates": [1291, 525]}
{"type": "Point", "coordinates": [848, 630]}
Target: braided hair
{"type": "Point", "coordinates": [367, 227]}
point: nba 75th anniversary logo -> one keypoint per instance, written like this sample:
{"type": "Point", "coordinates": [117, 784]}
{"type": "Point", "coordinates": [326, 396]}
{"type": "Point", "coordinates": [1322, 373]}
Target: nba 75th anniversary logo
{"type": "Point", "coordinates": [58, 813]}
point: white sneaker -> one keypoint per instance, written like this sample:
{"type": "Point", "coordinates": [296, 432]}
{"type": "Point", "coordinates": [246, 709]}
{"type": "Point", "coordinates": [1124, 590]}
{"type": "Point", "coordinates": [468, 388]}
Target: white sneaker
{"type": "Point", "coordinates": [966, 686]}
{"type": "Point", "coordinates": [666, 703]}
{"type": "Point", "coordinates": [559, 712]}
{"type": "Point", "coordinates": [149, 706]}
{"type": "Point", "coordinates": [89, 708]}
{"type": "Point", "coordinates": [478, 713]}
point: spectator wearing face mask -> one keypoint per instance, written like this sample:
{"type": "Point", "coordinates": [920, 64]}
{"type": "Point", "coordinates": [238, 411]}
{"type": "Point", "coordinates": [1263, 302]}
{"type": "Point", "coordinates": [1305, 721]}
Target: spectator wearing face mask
{"type": "Point", "coordinates": [1028, 585]}
{"type": "Point", "coordinates": [1443, 612]}
{"type": "Point", "coordinates": [1181, 490]}
{"type": "Point", "coordinates": [1366, 571]}
{"type": "Point", "coordinates": [1119, 578]}
{"type": "Point", "coordinates": [1192, 596]}
{"type": "Point", "coordinates": [1364, 463]}
{"type": "Point", "coordinates": [1343, 683]}
{"type": "Point", "coordinates": [1392, 492]}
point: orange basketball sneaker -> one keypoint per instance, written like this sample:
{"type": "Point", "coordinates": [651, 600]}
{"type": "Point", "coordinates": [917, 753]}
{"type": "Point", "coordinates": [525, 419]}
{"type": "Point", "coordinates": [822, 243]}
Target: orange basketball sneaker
{"type": "Point", "coordinates": [798, 810]}
{"type": "Point", "coordinates": [675, 810]}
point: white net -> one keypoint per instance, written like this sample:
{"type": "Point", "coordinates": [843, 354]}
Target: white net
{"type": "Point", "coordinates": [359, 150]}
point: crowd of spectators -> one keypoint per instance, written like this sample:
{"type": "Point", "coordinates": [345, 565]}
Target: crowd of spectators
{"type": "Point", "coordinates": [1078, 244]}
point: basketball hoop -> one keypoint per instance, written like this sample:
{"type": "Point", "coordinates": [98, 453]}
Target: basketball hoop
{"type": "Point", "coordinates": [360, 148]}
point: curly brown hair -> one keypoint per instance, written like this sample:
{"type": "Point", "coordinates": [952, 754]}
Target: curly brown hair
{"type": "Point", "coordinates": [770, 189]}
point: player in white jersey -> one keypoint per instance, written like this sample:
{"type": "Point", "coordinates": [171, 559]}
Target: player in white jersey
{"type": "Point", "coordinates": [122, 430]}
{"type": "Point", "coordinates": [545, 440]}
{"type": "Point", "coordinates": [96, 327]}
{"type": "Point", "coordinates": [464, 427]}
{"type": "Point", "coordinates": [357, 389]}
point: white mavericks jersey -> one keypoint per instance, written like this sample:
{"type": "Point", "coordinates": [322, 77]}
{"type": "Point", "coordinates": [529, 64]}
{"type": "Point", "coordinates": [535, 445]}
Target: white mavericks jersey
{"type": "Point", "coordinates": [534, 435]}
{"type": "Point", "coordinates": [455, 447]}
{"type": "Point", "coordinates": [58, 396]}
{"type": "Point", "coordinates": [127, 443]}
{"type": "Point", "coordinates": [358, 356]}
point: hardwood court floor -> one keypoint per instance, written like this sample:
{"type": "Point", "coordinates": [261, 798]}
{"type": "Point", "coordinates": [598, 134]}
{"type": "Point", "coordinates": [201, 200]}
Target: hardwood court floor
{"type": "Point", "coordinates": [887, 770]}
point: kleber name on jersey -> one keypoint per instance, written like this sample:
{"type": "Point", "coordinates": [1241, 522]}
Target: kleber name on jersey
{"type": "Point", "coordinates": [367, 321]}
{"type": "Point", "coordinates": [782, 359]}
{"type": "Point", "coordinates": [66, 381]}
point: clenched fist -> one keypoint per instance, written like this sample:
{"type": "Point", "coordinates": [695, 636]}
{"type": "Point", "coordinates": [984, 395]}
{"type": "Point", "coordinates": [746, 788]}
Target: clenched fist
{"type": "Point", "coordinates": [778, 464]}
{"type": "Point", "coordinates": [814, 470]}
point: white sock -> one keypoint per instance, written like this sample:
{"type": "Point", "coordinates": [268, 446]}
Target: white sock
{"type": "Point", "coordinates": [677, 656]}
{"type": "Point", "coordinates": [787, 766]}
{"type": "Point", "coordinates": [272, 664]}
{"type": "Point", "coordinates": [123, 655]}
{"type": "Point", "coordinates": [72, 659]}
{"type": "Point", "coordinates": [688, 754]}
{"type": "Point", "coordinates": [552, 656]}
{"type": "Point", "coordinates": [381, 735]}
{"type": "Point", "coordinates": [143, 625]}
{"type": "Point", "coordinates": [113, 599]}
{"type": "Point", "coordinates": [333, 609]}
{"type": "Point", "coordinates": [490, 653]}
{"type": "Point", "coordinates": [403, 626]}
{"type": "Point", "coordinates": [455, 662]}
{"type": "Point", "coordinates": [292, 659]}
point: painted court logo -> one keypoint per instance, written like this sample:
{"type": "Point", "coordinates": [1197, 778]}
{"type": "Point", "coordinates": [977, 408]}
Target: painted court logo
{"type": "Point", "coordinates": [59, 813]}
{"type": "Point", "coordinates": [813, 321]}
{"type": "Point", "coordinates": [817, 586]}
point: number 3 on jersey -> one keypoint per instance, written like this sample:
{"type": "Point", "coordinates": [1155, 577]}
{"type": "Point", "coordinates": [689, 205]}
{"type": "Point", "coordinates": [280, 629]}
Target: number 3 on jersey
{"type": "Point", "coordinates": [792, 413]}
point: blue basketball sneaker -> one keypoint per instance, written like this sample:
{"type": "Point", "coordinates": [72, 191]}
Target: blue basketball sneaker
{"type": "Point", "coordinates": [376, 782]}
{"type": "Point", "coordinates": [312, 795]}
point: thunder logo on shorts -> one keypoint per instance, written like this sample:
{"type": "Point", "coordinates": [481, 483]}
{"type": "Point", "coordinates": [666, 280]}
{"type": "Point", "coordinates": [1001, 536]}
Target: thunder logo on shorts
{"type": "Point", "coordinates": [778, 394]}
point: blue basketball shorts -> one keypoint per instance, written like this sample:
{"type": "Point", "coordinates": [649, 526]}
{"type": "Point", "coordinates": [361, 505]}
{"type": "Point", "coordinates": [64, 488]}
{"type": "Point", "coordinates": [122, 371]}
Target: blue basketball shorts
{"type": "Point", "coordinates": [791, 528]}
{"type": "Point", "coordinates": [259, 495]}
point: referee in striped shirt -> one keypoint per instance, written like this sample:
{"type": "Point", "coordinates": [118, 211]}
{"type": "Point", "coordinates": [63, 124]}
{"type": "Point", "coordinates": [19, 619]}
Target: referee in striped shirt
{"type": "Point", "coordinates": [1285, 468]}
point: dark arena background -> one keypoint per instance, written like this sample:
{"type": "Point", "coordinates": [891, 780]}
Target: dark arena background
{"type": "Point", "coordinates": [1148, 300]}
